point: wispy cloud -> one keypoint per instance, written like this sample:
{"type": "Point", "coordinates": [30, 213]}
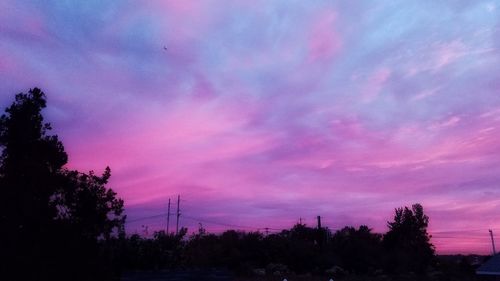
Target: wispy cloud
{"type": "Point", "coordinates": [273, 110]}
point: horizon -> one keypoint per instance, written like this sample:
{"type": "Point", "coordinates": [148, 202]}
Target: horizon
{"type": "Point", "coordinates": [261, 113]}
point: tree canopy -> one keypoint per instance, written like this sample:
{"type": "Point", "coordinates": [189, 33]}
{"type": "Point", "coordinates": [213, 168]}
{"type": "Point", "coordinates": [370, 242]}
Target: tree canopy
{"type": "Point", "coordinates": [51, 215]}
{"type": "Point", "coordinates": [408, 240]}
{"type": "Point", "coordinates": [31, 164]}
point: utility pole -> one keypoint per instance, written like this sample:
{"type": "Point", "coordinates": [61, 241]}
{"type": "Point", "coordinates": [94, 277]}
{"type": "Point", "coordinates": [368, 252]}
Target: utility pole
{"type": "Point", "coordinates": [168, 216]}
{"type": "Point", "coordinates": [493, 242]}
{"type": "Point", "coordinates": [178, 214]}
{"type": "Point", "coordinates": [321, 237]}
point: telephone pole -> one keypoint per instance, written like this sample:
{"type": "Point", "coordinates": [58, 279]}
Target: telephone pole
{"type": "Point", "coordinates": [168, 216]}
{"type": "Point", "coordinates": [178, 214]}
{"type": "Point", "coordinates": [493, 242]}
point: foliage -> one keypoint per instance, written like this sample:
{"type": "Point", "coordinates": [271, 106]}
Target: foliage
{"type": "Point", "coordinates": [89, 206]}
{"type": "Point", "coordinates": [347, 253]}
{"type": "Point", "coordinates": [358, 250]}
{"type": "Point", "coordinates": [164, 251]}
{"type": "Point", "coordinates": [408, 242]}
{"type": "Point", "coordinates": [54, 217]}
{"type": "Point", "coordinates": [31, 163]}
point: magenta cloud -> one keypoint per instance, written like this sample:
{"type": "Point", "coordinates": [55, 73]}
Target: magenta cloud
{"type": "Point", "coordinates": [259, 113]}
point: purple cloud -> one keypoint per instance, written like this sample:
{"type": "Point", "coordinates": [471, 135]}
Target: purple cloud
{"type": "Point", "coordinates": [261, 113]}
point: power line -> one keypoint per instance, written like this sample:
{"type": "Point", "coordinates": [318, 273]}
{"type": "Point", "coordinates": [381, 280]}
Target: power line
{"type": "Point", "coordinates": [198, 219]}
{"type": "Point", "coordinates": [438, 234]}
{"type": "Point", "coordinates": [168, 216]}
{"type": "Point", "coordinates": [450, 234]}
{"type": "Point", "coordinates": [461, 230]}
{"type": "Point", "coordinates": [227, 224]}
{"type": "Point", "coordinates": [148, 217]}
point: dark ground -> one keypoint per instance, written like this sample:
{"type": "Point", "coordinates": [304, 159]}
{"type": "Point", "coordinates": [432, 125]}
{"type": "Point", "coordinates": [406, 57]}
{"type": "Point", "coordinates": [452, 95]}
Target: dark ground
{"type": "Point", "coordinates": [162, 275]}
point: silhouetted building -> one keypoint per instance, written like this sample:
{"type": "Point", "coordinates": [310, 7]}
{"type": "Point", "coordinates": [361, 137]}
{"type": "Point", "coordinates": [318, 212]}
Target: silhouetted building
{"type": "Point", "coordinates": [490, 270]}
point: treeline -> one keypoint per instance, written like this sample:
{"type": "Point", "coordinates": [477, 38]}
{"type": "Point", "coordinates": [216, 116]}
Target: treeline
{"type": "Point", "coordinates": [403, 253]}
{"type": "Point", "coordinates": [404, 248]}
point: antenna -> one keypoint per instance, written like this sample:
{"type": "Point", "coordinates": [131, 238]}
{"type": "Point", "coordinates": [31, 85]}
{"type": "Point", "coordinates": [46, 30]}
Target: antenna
{"type": "Point", "coordinates": [168, 215]}
{"type": "Point", "coordinates": [493, 242]}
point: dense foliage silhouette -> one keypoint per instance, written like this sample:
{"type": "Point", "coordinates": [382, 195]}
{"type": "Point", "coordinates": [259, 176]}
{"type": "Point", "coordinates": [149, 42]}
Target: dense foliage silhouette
{"type": "Point", "coordinates": [52, 218]}
{"type": "Point", "coordinates": [408, 242]}
{"type": "Point", "coordinates": [358, 250]}
{"type": "Point", "coordinates": [346, 254]}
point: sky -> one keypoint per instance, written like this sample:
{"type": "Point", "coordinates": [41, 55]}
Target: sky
{"type": "Point", "coordinates": [259, 113]}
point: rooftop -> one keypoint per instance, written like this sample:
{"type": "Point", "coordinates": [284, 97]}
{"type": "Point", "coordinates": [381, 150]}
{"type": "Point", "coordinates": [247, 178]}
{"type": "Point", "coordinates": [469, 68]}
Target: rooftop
{"type": "Point", "coordinates": [490, 267]}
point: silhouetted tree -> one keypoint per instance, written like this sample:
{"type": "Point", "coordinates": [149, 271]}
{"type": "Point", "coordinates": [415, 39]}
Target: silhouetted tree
{"type": "Point", "coordinates": [30, 174]}
{"type": "Point", "coordinates": [164, 250]}
{"type": "Point", "coordinates": [358, 250]}
{"type": "Point", "coordinates": [91, 208]}
{"type": "Point", "coordinates": [408, 242]}
{"type": "Point", "coordinates": [303, 248]}
{"type": "Point", "coordinates": [51, 218]}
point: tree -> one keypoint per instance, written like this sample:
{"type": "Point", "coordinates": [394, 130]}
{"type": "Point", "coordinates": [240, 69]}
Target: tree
{"type": "Point", "coordinates": [30, 163]}
{"type": "Point", "coordinates": [90, 208]}
{"type": "Point", "coordinates": [47, 211]}
{"type": "Point", "coordinates": [358, 250]}
{"type": "Point", "coordinates": [407, 240]}
{"type": "Point", "coordinates": [30, 173]}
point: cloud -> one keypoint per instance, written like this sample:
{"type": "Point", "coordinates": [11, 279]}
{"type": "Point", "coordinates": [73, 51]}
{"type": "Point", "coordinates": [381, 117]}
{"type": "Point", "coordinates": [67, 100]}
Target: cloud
{"type": "Point", "coordinates": [273, 110]}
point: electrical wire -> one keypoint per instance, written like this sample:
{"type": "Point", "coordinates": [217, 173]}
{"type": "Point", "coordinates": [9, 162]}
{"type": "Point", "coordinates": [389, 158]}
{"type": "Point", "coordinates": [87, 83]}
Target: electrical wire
{"type": "Point", "coordinates": [434, 235]}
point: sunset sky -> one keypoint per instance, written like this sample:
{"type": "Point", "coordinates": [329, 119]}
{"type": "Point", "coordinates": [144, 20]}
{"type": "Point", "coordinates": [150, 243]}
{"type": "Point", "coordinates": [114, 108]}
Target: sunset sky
{"type": "Point", "coordinates": [259, 113]}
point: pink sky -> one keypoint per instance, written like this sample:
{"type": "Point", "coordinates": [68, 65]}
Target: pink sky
{"type": "Point", "coordinates": [264, 112]}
